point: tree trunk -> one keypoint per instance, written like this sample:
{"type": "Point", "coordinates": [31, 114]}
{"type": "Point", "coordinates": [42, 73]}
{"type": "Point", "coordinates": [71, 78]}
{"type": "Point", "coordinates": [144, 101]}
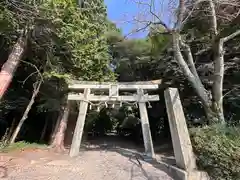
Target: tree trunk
{"type": "Point", "coordinates": [44, 130]}
{"type": "Point", "coordinates": [195, 82]}
{"type": "Point", "coordinates": [55, 126]}
{"type": "Point", "coordinates": [218, 81]}
{"type": "Point", "coordinates": [25, 114]}
{"type": "Point", "coordinates": [10, 66]}
{"type": "Point", "coordinates": [11, 130]}
{"type": "Point", "coordinates": [211, 111]}
{"type": "Point", "coordinates": [211, 114]}
{"type": "Point", "coordinates": [219, 75]}
{"type": "Point", "coordinates": [58, 142]}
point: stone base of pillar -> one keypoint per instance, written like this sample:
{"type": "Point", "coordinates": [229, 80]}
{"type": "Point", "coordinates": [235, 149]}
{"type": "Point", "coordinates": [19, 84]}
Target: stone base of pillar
{"type": "Point", "coordinates": [148, 157]}
{"type": "Point", "coordinates": [180, 174]}
{"type": "Point", "coordinates": [197, 175]}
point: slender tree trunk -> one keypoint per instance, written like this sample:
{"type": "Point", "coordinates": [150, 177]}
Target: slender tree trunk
{"type": "Point", "coordinates": [58, 142]}
{"type": "Point", "coordinates": [55, 126]}
{"type": "Point", "coordinates": [44, 130]}
{"type": "Point", "coordinates": [11, 130]}
{"type": "Point", "coordinates": [25, 114]}
{"type": "Point", "coordinates": [219, 75]}
{"type": "Point", "coordinates": [10, 66]}
{"type": "Point", "coordinates": [218, 81]}
{"type": "Point", "coordinates": [4, 137]}
{"type": "Point", "coordinates": [217, 89]}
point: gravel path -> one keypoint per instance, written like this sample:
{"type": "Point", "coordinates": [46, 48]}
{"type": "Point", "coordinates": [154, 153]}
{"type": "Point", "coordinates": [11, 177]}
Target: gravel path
{"type": "Point", "coordinates": [90, 165]}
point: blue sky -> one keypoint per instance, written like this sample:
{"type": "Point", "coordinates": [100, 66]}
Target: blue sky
{"type": "Point", "coordinates": [122, 12]}
{"type": "Point", "coordinates": [117, 11]}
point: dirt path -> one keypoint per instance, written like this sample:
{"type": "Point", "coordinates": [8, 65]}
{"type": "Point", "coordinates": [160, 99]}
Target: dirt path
{"type": "Point", "coordinates": [90, 165]}
{"type": "Point", "coordinates": [103, 159]}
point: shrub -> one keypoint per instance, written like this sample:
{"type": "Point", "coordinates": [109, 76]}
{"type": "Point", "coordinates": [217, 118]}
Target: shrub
{"type": "Point", "coordinates": [218, 151]}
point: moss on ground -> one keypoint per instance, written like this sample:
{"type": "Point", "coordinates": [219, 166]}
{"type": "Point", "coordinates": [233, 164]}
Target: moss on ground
{"type": "Point", "coordinates": [21, 145]}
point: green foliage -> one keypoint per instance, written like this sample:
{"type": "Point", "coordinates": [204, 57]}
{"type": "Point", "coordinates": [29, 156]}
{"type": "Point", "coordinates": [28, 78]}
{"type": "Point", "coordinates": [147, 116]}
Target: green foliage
{"type": "Point", "coordinates": [217, 150]}
{"type": "Point", "coordinates": [158, 40]}
{"type": "Point", "coordinates": [133, 59]}
{"type": "Point", "coordinates": [65, 42]}
{"type": "Point", "coordinates": [50, 101]}
{"type": "Point", "coordinates": [82, 34]}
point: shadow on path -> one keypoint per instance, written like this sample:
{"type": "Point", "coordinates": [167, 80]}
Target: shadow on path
{"type": "Point", "coordinates": [135, 156]}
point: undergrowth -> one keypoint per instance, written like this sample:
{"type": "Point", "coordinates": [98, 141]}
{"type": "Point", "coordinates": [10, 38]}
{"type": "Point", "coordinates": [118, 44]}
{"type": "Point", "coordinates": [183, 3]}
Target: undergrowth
{"type": "Point", "coordinates": [19, 146]}
{"type": "Point", "coordinates": [218, 151]}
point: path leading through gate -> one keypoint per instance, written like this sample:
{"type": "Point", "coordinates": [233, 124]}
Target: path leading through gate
{"type": "Point", "coordinates": [93, 163]}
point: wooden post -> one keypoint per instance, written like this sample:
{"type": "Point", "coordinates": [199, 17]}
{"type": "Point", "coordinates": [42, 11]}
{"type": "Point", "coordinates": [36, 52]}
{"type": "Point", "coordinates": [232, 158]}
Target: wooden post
{"type": "Point", "coordinates": [78, 132]}
{"type": "Point", "coordinates": [148, 144]}
{"type": "Point", "coordinates": [180, 137]}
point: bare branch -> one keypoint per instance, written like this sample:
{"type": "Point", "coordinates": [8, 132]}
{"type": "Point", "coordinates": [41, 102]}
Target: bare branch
{"type": "Point", "coordinates": [37, 70]}
{"type": "Point", "coordinates": [236, 88]}
{"type": "Point", "coordinates": [191, 11]}
{"type": "Point", "coordinates": [137, 30]}
{"type": "Point", "coordinates": [29, 77]}
{"type": "Point", "coordinates": [163, 24]}
{"type": "Point", "coordinates": [189, 58]}
{"type": "Point", "coordinates": [226, 2]}
{"type": "Point", "coordinates": [203, 51]}
{"type": "Point", "coordinates": [150, 6]}
{"type": "Point", "coordinates": [231, 36]}
{"type": "Point", "coordinates": [181, 10]}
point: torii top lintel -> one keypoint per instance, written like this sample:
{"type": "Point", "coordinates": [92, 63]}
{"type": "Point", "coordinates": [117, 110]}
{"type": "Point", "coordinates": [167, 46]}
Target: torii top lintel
{"type": "Point", "coordinates": [148, 85]}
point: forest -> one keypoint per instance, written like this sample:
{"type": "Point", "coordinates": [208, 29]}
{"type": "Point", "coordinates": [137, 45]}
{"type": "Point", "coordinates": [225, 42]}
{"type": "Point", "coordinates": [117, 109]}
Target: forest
{"type": "Point", "coordinates": [46, 44]}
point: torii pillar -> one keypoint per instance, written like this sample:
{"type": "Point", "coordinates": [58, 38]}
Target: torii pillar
{"type": "Point", "coordinates": [78, 132]}
{"type": "Point", "coordinates": [147, 137]}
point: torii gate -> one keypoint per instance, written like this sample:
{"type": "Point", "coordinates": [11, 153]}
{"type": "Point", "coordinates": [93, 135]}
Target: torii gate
{"type": "Point", "coordinates": [85, 93]}
{"type": "Point", "coordinates": [183, 153]}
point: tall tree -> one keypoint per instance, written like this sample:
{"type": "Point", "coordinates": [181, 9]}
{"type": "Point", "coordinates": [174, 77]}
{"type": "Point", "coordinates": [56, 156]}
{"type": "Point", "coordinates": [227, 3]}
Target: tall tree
{"type": "Point", "coordinates": [220, 34]}
{"type": "Point", "coordinates": [83, 32]}
{"type": "Point", "coordinates": [10, 66]}
{"type": "Point", "coordinates": [22, 25]}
